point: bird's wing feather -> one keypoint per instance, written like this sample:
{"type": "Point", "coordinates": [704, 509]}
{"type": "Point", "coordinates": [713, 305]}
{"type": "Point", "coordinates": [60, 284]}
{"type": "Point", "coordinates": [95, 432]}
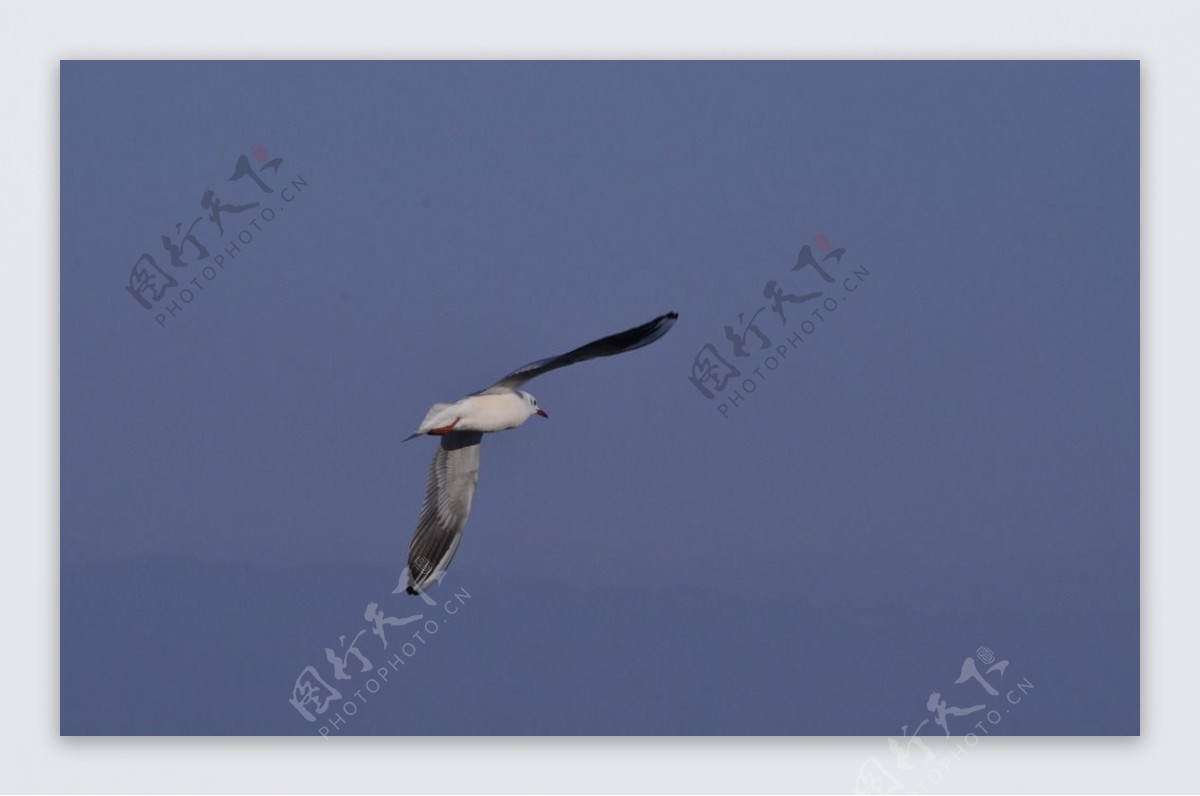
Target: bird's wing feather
{"type": "Point", "coordinates": [453, 474]}
{"type": "Point", "coordinates": [618, 343]}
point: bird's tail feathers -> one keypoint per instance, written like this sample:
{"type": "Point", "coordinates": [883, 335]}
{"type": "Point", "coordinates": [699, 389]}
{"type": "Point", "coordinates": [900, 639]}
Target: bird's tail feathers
{"type": "Point", "coordinates": [431, 421]}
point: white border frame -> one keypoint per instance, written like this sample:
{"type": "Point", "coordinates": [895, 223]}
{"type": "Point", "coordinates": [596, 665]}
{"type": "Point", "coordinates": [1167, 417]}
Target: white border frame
{"type": "Point", "coordinates": [1161, 35]}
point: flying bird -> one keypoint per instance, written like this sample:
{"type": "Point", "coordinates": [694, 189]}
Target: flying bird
{"type": "Point", "coordinates": [461, 425]}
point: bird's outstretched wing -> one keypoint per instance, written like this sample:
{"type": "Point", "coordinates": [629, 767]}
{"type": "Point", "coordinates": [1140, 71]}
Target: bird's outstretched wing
{"type": "Point", "coordinates": [453, 474]}
{"type": "Point", "coordinates": [618, 343]}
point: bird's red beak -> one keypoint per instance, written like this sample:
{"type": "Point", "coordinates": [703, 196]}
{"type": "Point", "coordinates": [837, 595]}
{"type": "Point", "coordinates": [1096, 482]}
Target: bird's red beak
{"type": "Point", "coordinates": [542, 412]}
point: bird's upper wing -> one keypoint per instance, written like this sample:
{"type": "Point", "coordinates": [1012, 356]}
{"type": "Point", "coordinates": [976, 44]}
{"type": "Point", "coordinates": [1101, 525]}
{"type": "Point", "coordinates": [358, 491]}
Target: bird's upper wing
{"type": "Point", "coordinates": [453, 474]}
{"type": "Point", "coordinates": [617, 343]}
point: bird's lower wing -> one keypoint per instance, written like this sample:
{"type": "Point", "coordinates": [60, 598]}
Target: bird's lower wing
{"type": "Point", "coordinates": [453, 474]}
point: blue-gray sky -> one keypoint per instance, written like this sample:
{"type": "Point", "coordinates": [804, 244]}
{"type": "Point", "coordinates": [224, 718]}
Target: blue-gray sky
{"type": "Point", "coordinates": [949, 461]}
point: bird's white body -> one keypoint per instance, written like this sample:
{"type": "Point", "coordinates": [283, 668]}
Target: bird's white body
{"type": "Point", "coordinates": [495, 412]}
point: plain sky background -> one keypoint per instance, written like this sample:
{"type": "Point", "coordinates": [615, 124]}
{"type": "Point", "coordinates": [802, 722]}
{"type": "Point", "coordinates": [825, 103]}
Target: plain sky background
{"type": "Point", "coordinates": [951, 461]}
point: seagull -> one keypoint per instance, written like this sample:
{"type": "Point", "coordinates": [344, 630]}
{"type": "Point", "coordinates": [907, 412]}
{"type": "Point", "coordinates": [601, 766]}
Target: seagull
{"type": "Point", "coordinates": [461, 425]}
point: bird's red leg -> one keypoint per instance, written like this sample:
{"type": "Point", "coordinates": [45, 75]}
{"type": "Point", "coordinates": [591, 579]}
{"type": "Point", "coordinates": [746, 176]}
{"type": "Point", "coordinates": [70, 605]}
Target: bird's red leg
{"type": "Point", "coordinates": [445, 429]}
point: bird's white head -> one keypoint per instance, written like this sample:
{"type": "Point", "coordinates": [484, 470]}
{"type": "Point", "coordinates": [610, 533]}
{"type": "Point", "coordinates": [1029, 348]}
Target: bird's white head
{"type": "Point", "coordinates": [532, 404]}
